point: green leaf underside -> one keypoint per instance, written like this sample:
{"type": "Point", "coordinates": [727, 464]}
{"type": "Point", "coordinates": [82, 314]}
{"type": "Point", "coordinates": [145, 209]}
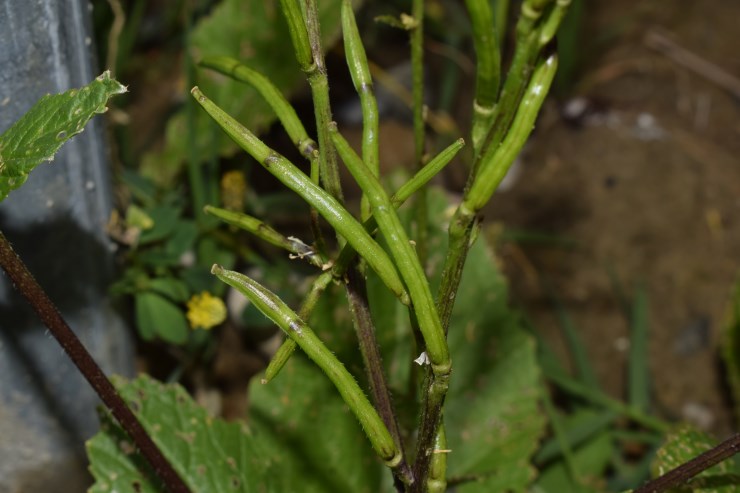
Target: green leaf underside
{"type": "Point", "coordinates": [211, 456]}
{"type": "Point", "coordinates": [682, 445]}
{"type": "Point", "coordinates": [256, 34]}
{"type": "Point", "coordinates": [51, 122]}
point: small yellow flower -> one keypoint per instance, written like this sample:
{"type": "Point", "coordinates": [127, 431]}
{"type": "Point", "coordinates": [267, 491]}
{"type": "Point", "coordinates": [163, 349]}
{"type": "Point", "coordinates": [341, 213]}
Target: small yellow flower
{"type": "Point", "coordinates": [205, 311]}
{"type": "Point", "coordinates": [233, 190]}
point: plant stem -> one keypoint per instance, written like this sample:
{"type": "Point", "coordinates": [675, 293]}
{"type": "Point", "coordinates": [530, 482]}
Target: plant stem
{"type": "Point", "coordinates": [692, 468]}
{"type": "Point", "coordinates": [289, 345]}
{"type": "Point", "coordinates": [360, 72]}
{"type": "Point", "coordinates": [365, 328]}
{"type": "Point", "coordinates": [262, 230]}
{"type": "Point", "coordinates": [488, 68]}
{"type": "Point", "coordinates": [319, 83]}
{"type": "Point", "coordinates": [195, 168]}
{"type": "Point", "coordinates": [417, 80]}
{"type": "Point", "coordinates": [406, 259]}
{"type": "Point", "coordinates": [50, 316]}
{"type": "Point", "coordinates": [435, 392]}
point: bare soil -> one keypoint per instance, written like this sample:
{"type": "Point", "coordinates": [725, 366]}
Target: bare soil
{"type": "Point", "coordinates": [647, 185]}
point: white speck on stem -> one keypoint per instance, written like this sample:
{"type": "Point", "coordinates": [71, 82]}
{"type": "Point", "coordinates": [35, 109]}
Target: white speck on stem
{"type": "Point", "coordinates": [295, 327]}
{"type": "Point", "coordinates": [423, 359]}
{"type": "Point", "coordinates": [537, 89]}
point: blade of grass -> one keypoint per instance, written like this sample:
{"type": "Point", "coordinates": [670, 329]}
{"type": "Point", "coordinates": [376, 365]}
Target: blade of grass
{"type": "Point", "coordinates": [638, 373]}
{"type": "Point", "coordinates": [577, 389]}
{"type": "Point", "coordinates": [576, 347]}
{"type": "Point", "coordinates": [574, 436]}
{"type": "Point", "coordinates": [561, 440]}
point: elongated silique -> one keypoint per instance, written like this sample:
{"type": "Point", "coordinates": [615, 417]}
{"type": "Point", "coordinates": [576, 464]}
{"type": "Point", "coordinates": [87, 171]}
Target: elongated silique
{"type": "Point", "coordinates": [329, 207]}
{"type": "Point", "coordinates": [294, 327]}
{"type": "Point", "coordinates": [403, 254]}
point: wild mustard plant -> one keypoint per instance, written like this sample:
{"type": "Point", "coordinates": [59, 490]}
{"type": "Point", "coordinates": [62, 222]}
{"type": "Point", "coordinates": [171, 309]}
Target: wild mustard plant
{"type": "Point", "coordinates": [189, 451]}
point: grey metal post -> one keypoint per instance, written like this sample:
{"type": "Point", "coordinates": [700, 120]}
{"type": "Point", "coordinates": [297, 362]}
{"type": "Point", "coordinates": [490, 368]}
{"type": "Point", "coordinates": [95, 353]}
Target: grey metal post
{"type": "Point", "coordinates": [56, 222]}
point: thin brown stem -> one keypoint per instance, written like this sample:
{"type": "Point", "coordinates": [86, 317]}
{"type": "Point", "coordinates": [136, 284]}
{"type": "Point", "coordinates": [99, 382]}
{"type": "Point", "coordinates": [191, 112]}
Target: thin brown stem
{"type": "Point", "coordinates": [692, 468]}
{"type": "Point", "coordinates": [27, 285]}
{"type": "Point", "coordinates": [365, 328]}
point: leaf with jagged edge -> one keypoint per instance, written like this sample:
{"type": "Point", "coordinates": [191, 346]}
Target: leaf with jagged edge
{"type": "Point", "coordinates": [210, 455]}
{"type": "Point", "coordinates": [683, 444]}
{"type": "Point", "coordinates": [52, 121]}
{"type": "Point", "coordinates": [300, 437]}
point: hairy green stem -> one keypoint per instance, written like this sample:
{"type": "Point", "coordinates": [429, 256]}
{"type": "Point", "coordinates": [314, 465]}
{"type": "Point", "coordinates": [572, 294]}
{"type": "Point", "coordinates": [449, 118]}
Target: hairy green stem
{"type": "Point", "coordinates": [319, 83]}
{"type": "Point", "coordinates": [435, 391]}
{"type": "Point", "coordinates": [488, 68]}
{"type": "Point", "coordinates": [363, 322]}
{"type": "Point", "coordinates": [318, 286]}
{"type": "Point", "coordinates": [437, 480]}
{"type": "Point", "coordinates": [264, 231]}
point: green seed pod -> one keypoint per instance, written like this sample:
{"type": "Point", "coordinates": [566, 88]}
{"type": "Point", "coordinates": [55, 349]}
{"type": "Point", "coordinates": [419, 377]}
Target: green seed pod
{"type": "Point", "coordinates": [276, 310]}
{"type": "Point", "coordinates": [329, 208]}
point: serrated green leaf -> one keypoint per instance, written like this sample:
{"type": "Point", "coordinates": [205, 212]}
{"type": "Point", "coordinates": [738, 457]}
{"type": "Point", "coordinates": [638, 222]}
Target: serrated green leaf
{"type": "Point", "coordinates": [158, 317]}
{"type": "Point", "coordinates": [210, 455]}
{"type": "Point", "coordinates": [51, 122]}
{"type": "Point", "coordinates": [682, 445]}
{"type": "Point", "coordinates": [310, 435]}
{"type": "Point", "coordinates": [256, 34]}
